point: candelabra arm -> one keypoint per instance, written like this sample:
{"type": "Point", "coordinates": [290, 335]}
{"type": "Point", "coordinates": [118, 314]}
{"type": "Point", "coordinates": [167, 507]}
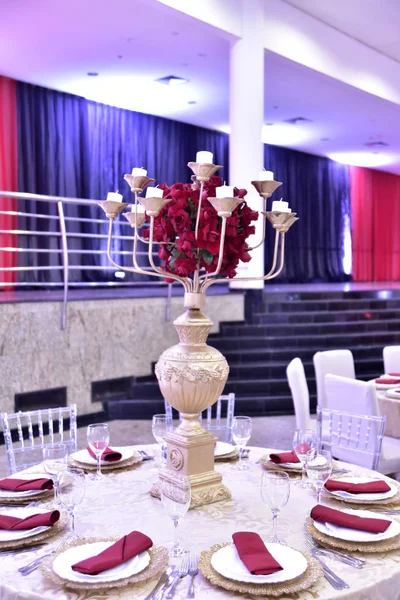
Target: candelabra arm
{"type": "Point", "coordinates": [199, 209]}
{"type": "Point", "coordinates": [120, 267]}
{"type": "Point", "coordinates": [264, 231]}
{"type": "Point", "coordinates": [281, 260]}
{"type": "Point", "coordinates": [220, 256]}
{"type": "Point", "coordinates": [275, 255]}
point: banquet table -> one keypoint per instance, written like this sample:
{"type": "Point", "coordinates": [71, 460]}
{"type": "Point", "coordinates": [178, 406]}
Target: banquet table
{"type": "Point", "coordinates": [390, 407]}
{"type": "Point", "coordinates": [109, 509]}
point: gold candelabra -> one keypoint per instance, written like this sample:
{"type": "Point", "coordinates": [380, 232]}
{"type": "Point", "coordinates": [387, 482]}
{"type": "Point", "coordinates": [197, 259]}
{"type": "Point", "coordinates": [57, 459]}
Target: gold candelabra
{"type": "Point", "coordinates": [191, 374]}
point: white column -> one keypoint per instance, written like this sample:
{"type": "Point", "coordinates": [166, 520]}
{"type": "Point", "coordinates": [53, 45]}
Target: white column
{"type": "Point", "coordinates": [246, 122]}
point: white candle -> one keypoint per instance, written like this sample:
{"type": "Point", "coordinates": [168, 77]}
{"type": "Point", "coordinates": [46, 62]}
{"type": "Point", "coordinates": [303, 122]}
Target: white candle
{"type": "Point", "coordinates": [136, 172]}
{"type": "Point", "coordinates": [280, 206]}
{"type": "Point", "coordinates": [114, 196]}
{"type": "Point", "coordinates": [265, 176]}
{"type": "Point", "coordinates": [140, 208]}
{"type": "Point", "coordinates": [154, 192]}
{"type": "Point", "coordinates": [224, 191]}
{"type": "Point", "coordinates": [204, 157]}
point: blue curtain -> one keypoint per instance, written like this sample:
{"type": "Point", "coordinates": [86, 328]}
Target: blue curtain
{"type": "Point", "coordinates": [318, 189]}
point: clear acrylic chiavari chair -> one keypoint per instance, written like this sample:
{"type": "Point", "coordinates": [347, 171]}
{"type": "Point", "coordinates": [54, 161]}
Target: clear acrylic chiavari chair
{"type": "Point", "coordinates": [27, 450]}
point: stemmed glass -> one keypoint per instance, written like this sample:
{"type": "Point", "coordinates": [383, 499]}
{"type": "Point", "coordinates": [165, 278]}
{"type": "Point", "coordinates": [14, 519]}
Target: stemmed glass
{"type": "Point", "coordinates": [303, 441]}
{"type": "Point", "coordinates": [175, 497]}
{"type": "Point", "coordinates": [54, 463]}
{"type": "Point", "coordinates": [241, 433]}
{"type": "Point", "coordinates": [71, 492]}
{"type": "Point", "coordinates": [98, 438]}
{"type": "Point", "coordinates": [319, 469]}
{"type": "Point", "coordinates": [275, 491]}
{"type": "Point", "coordinates": [159, 427]}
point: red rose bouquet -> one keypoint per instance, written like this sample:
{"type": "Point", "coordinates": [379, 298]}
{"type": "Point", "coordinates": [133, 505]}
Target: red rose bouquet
{"type": "Point", "coordinates": [174, 228]}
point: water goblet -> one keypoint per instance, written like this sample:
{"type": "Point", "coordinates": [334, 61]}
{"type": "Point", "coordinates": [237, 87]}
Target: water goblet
{"type": "Point", "coordinates": [54, 463]}
{"type": "Point", "coordinates": [275, 491]}
{"type": "Point", "coordinates": [175, 497]}
{"type": "Point", "coordinates": [241, 433]}
{"type": "Point", "coordinates": [303, 441]}
{"type": "Point", "coordinates": [319, 469]}
{"type": "Point", "coordinates": [159, 427]}
{"type": "Point", "coordinates": [71, 493]}
{"type": "Point", "coordinates": [98, 438]}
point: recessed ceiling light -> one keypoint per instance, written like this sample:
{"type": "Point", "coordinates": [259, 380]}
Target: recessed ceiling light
{"type": "Point", "coordinates": [92, 74]}
{"type": "Point", "coordinates": [184, 64]}
{"type": "Point", "coordinates": [120, 56]}
{"type": "Point", "coordinates": [174, 32]}
{"type": "Point", "coordinates": [172, 80]}
{"type": "Point", "coordinates": [362, 159]}
{"type": "Point", "coordinates": [297, 121]}
{"type": "Point", "coordinates": [376, 144]}
{"type": "Point", "coordinates": [192, 102]}
{"type": "Point", "coordinates": [325, 139]}
{"type": "Point", "coordinates": [202, 54]}
{"type": "Point", "coordinates": [269, 124]}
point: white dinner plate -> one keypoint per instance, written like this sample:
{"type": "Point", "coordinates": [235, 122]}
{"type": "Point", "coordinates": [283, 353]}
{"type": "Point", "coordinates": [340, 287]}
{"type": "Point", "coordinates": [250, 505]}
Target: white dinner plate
{"type": "Point", "coordinates": [292, 465]}
{"type": "Point", "coordinates": [21, 513]}
{"type": "Point", "coordinates": [62, 565]}
{"type": "Point", "coordinates": [354, 535]}
{"type": "Point", "coordinates": [386, 386]}
{"type": "Point", "coordinates": [369, 497]}
{"type": "Point", "coordinates": [26, 476]}
{"type": "Point", "coordinates": [394, 392]}
{"type": "Point", "coordinates": [227, 563]}
{"type": "Point", "coordinates": [85, 458]}
{"type": "Point", "coordinates": [222, 448]}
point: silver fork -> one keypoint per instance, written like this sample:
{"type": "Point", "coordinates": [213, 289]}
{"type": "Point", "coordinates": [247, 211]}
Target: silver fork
{"type": "Point", "coordinates": [357, 563]}
{"type": "Point", "coordinates": [335, 581]}
{"type": "Point", "coordinates": [193, 570]}
{"type": "Point", "coordinates": [145, 456]}
{"type": "Point", "coordinates": [182, 572]}
{"type": "Point", "coordinates": [34, 564]}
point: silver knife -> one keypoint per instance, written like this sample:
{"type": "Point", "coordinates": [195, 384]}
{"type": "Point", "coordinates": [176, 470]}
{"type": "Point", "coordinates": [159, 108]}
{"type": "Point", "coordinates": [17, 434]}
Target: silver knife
{"type": "Point", "coordinates": [161, 582]}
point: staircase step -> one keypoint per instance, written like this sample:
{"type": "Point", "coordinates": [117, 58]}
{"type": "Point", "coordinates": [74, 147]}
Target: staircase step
{"type": "Point", "coordinates": [281, 296]}
{"type": "Point", "coordinates": [332, 305]}
{"type": "Point", "coordinates": [325, 316]}
{"type": "Point", "coordinates": [235, 356]}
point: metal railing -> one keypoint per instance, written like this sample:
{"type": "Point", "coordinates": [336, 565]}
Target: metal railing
{"type": "Point", "coordinates": [63, 235]}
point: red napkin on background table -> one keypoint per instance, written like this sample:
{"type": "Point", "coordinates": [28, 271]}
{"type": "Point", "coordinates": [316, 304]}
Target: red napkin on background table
{"type": "Point", "coordinates": [24, 485]}
{"type": "Point", "coordinates": [284, 457]}
{"type": "Point", "coordinates": [387, 381]}
{"type": "Point", "coordinates": [109, 455]}
{"type": "Point", "coordinates": [254, 555]}
{"type": "Point", "coordinates": [323, 514]}
{"type": "Point", "coordinates": [38, 520]}
{"type": "Point", "coordinates": [394, 374]}
{"type": "Point", "coordinates": [127, 547]}
{"type": "Point", "coordinates": [371, 487]}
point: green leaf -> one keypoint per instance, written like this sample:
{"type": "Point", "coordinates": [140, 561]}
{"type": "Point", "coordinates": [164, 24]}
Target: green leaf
{"type": "Point", "coordinates": [207, 256]}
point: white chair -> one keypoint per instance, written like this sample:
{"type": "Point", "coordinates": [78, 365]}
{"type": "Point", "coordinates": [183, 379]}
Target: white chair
{"type": "Point", "coordinates": [213, 416]}
{"type": "Point", "coordinates": [352, 438]}
{"type": "Point", "coordinates": [338, 362]}
{"type": "Point", "coordinates": [359, 398]}
{"type": "Point", "coordinates": [300, 394]}
{"type": "Point", "coordinates": [391, 359]}
{"type": "Point", "coordinates": [28, 449]}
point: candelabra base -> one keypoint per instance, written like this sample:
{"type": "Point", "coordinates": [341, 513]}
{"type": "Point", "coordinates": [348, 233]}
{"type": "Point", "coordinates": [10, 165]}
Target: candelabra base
{"type": "Point", "coordinates": [193, 457]}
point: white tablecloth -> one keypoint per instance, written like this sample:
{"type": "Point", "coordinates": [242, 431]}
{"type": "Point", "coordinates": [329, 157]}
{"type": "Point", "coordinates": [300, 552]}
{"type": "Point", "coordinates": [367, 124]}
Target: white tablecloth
{"type": "Point", "coordinates": [107, 511]}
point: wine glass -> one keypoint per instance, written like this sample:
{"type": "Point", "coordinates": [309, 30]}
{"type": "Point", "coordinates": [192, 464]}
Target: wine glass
{"type": "Point", "coordinates": [98, 437]}
{"type": "Point", "coordinates": [175, 497]}
{"type": "Point", "coordinates": [241, 433]}
{"type": "Point", "coordinates": [71, 492]}
{"type": "Point", "coordinates": [159, 428]}
{"type": "Point", "coordinates": [303, 441]}
{"type": "Point", "coordinates": [319, 468]}
{"type": "Point", "coordinates": [275, 491]}
{"type": "Point", "coordinates": [54, 463]}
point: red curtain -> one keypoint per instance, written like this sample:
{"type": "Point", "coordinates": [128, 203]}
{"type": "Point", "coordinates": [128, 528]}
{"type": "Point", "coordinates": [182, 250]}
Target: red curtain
{"type": "Point", "coordinates": [8, 175]}
{"type": "Point", "coordinates": [375, 200]}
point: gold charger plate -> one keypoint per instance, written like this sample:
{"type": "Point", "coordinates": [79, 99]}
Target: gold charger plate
{"type": "Point", "coordinates": [116, 466]}
{"type": "Point", "coordinates": [158, 563]}
{"type": "Point", "coordinates": [365, 547]}
{"type": "Point", "coordinates": [231, 456]}
{"type": "Point", "coordinates": [305, 581]}
{"type": "Point", "coordinates": [34, 539]}
{"type": "Point", "coordinates": [395, 500]}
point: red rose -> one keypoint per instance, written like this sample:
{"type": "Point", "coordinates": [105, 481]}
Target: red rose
{"type": "Point", "coordinates": [164, 254]}
{"type": "Point", "coordinates": [185, 243]}
{"type": "Point", "coordinates": [239, 193]}
{"type": "Point", "coordinates": [185, 266]}
{"type": "Point", "coordinates": [180, 219]}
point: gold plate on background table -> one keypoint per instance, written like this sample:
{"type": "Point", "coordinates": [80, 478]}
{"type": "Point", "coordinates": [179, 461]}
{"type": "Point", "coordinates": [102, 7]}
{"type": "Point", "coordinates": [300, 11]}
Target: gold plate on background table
{"type": "Point", "coordinates": [395, 500]}
{"type": "Point", "coordinates": [34, 539]}
{"type": "Point", "coordinates": [268, 465]}
{"type": "Point", "coordinates": [43, 497]}
{"type": "Point", "coordinates": [116, 466]}
{"type": "Point", "coordinates": [231, 456]}
{"type": "Point", "coordinates": [365, 547]}
{"type": "Point", "coordinates": [158, 563]}
{"type": "Point", "coordinates": [305, 581]}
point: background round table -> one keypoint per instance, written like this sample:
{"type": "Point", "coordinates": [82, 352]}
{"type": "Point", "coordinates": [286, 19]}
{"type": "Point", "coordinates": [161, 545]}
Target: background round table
{"type": "Point", "coordinates": [107, 510]}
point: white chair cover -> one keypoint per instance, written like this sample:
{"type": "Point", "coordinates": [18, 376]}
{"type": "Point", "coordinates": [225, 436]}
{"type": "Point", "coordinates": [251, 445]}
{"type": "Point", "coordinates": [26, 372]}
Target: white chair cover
{"type": "Point", "coordinates": [338, 362]}
{"type": "Point", "coordinates": [300, 394]}
{"type": "Point", "coordinates": [391, 359]}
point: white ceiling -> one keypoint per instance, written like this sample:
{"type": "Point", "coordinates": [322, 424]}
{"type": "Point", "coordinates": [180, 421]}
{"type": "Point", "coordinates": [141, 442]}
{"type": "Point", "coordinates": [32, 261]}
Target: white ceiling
{"type": "Point", "coordinates": [130, 43]}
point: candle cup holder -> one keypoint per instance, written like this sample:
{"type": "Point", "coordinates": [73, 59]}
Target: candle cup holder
{"type": "Point", "coordinates": [282, 221]}
{"type": "Point", "coordinates": [225, 206]}
{"type": "Point", "coordinates": [266, 187]}
{"type": "Point", "coordinates": [203, 171]}
{"type": "Point", "coordinates": [154, 205]}
{"type": "Point", "coordinates": [138, 183]}
{"type": "Point", "coordinates": [112, 208]}
{"type": "Point", "coordinates": [136, 219]}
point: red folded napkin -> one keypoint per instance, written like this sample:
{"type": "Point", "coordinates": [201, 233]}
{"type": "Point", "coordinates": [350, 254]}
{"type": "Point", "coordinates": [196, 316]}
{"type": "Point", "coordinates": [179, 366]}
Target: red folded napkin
{"type": "Point", "coordinates": [323, 514]}
{"type": "Point", "coordinates": [394, 374]}
{"type": "Point", "coordinates": [127, 547]}
{"type": "Point", "coordinates": [387, 381]}
{"type": "Point", "coordinates": [38, 520]}
{"type": "Point", "coordinates": [109, 455]}
{"type": "Point", "coordinates": [284, 457]}
{"type": "Point", "coordinates": [24, 485]}
{"type": "Point", "coordinates": [371, 487]}
{"type": "Point", "coordinates": [254, 554]}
